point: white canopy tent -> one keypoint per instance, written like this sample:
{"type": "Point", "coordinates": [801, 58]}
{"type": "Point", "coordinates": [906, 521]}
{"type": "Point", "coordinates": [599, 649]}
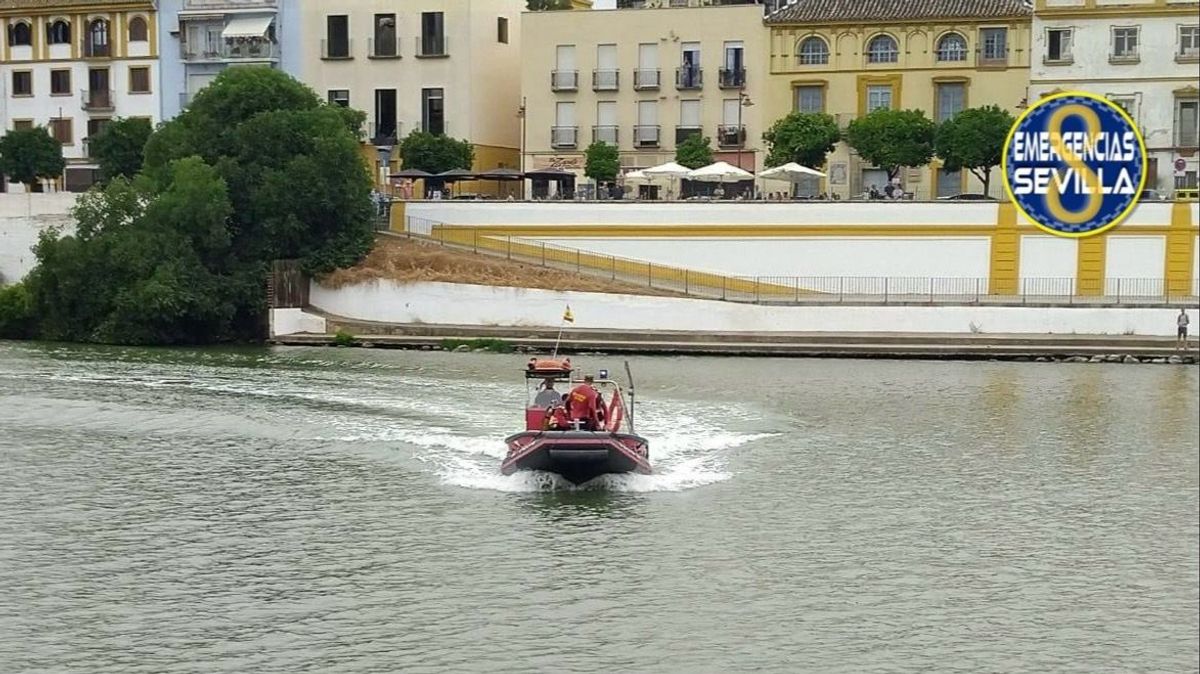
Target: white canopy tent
{"type": "Point", "coordinates": [720, 172]}
{"type": "Point", "coordinates": [669, 170]}
{"type": "Point", "coordinates": [791, 172]}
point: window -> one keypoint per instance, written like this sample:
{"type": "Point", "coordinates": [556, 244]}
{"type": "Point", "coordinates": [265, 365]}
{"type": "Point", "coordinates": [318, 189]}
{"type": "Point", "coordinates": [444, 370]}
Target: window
{"type": "Point", "coordinates": [1189, 42]}
{"type": "Point", "coordinates": [1127, 103]}
{"type": "Point", "coordinates": [879, 96]}
{"type": "Point", "coordinates": [62, 131]}
{"type": "Point", "coordinates": [384, 44]}
{"type": "Point", "coordinates": [60, 82]}
{"type": "Point", "coordinates": [385, 113]}
{"type": "Point", "coordinates": [645, 134]}
{"type": "Point", "coordinates": [812, 52]}
{"type": "Point", "coordinates": [690, 75]}
{"type": "Point", "coordinates": [97, 40]}
{"type": "Point", "coordinates": [502, 30]}
{"type": "Point", "coordinates": [995, 44]}
{"type": "Point", "coordinates": [606, 122]}
{"type": "Point", "coordinates": [810, 99]}
{"type": "Point", "coordinates": [1187, 122]}
{"type": "Point", "coordinates": [22, 124]}
{"type": "Point", "coordinates": [433, 111]}
{"type": "Point", "coordinates": [22, 83]}
{"type": "Point", "coordinates": [1125, 44]}
{"type": "Point", "coordinates": [139, 80]}
{"type": "Point", "coordinates": [20, 35]}
{"type": "Point", "coordinates": [607, 75]}
{"type": "Point", "coordinates": [340, 97]}
{"type": "Point", "coordinates": [337, 36]}
{"type": "Point", "coordinates": [433, 34]}
{"type": "Point", "coordinates": [689, 114]}
{"type": "Point", "coordinates": [951, 99]}
{"type": "Point", "coordinates": [96, 125]}
{"type": "Point", "coordinates": [59, 32]}
{"type": "Point", "coordinates": [646, 75]}
{"type": "Point", "coordinates": [564, 77]}
{"type": "Point", "coordinates": [1058, 45]}
{"type": "Point", "coordinates": [137, 29]}
{"type": "Point", "coordinates": [949, 183]}
{"type": "Point", "coordinates": [563, 134]}
{"type": "Point", "coordinates": [882, 49]}
{"type": "Point", "coordinates": [734, 72]}
{"type": "Point", "coordinates": [952, 47]}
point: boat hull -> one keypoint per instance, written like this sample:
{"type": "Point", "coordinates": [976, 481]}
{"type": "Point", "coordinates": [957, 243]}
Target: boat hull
{"type": "Point", "coordinates": [577, 456]}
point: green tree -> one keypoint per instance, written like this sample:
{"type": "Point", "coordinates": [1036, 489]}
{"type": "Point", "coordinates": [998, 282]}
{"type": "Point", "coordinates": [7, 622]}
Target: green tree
{"type": "Point", "coordinates": [891, 139]}
{"type": "Point", "coordinates": [119, 147]}
{"type": "Point", "coordinates": [16, 312]}
{"type": "Point", "coordinates": [601, 162]}
{"type": "Point", "coordinates": [804, 138]}
{"type": "Point", "coordinates": [27, 155]}
{"type": "Point", "coordinates": [435, 154]}
{"type": "Point", "coordinates": [974, 140]}
{"type": "Point", "coordinates": [694, 152]}
{"type": "Point", "coordinates": [542, 5]}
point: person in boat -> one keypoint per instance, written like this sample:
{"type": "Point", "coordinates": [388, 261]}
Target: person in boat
{"type": "Point", "coordinates": [556, 416]}
{"type": "Point", "coordinates": [584, 405]}
{"type": "Point", "coordinates": [547, 397]}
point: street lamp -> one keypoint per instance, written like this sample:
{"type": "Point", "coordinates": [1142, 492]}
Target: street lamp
{"type": "Point", "coordinates": [521, 114]}
{"type": "Point", "coordinates": [743, 102]}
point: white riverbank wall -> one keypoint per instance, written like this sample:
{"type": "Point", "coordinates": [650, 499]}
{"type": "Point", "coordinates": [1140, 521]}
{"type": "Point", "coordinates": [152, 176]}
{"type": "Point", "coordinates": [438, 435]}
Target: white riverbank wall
{"type": "Point", "coordinates": [23, 217]}
{"type": "Point", "coordinates": [471, 305]}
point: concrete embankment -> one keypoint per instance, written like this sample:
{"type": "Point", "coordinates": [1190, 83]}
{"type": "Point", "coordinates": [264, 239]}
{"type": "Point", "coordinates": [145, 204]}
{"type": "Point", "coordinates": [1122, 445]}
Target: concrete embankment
{"type": "Point", "coordinates": [1075, 348]}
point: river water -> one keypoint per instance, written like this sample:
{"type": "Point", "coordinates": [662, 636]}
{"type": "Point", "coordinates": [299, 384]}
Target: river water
{"type": "Point", "coordinates": [341, 510]}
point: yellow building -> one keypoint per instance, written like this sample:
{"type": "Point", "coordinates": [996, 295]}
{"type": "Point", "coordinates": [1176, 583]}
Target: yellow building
{"type": "Point", "coordinates": [849, 57]}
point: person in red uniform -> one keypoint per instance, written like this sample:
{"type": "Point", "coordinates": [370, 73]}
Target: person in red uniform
{"type": "Point", "coordinates": [584, 405]}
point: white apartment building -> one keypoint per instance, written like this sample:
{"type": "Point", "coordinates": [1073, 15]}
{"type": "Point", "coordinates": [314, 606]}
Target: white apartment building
{"type": "Point", "coordinates": [1143, 55]}
{"type": "Point", "coordinates": [72, 66]}
{"type": "Point", "coordinates": [446, 66]}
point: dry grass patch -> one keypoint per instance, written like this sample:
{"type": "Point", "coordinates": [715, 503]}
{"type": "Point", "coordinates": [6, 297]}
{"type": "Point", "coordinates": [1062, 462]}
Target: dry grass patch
{"type": "Point", "coordinates": [409, 261]}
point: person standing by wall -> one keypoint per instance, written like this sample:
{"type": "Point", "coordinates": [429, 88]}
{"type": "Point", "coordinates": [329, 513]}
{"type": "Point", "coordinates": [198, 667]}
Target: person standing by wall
{"type": "Point", "coordinates": [1181, 324]}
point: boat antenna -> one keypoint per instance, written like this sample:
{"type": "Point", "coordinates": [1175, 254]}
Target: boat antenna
{"type": "Point", "coordinates": [629, 375]}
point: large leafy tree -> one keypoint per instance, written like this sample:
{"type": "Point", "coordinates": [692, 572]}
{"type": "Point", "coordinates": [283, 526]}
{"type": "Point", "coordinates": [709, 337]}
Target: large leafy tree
{"type": "Point", "coordinates": [695, 151]}
{"type": "Point", "coordinates": [27, 155]}
{"type": "Point", "coordinates": [893, 139]}
{"type": "Point", "coordinates": [974, 140]}
{"type": "Point", "coordinates": [542, 5]}
{"type": "Point", "coordinates": [804, 138]}
{"type": "Point", "coordinates": [601, 162]}
{"type": "Point", "coordinates": [435, 154]}
{"type": "Point", "coordinates": [257, 169]}
{"type": "Point", "coordinates": [120, 146]}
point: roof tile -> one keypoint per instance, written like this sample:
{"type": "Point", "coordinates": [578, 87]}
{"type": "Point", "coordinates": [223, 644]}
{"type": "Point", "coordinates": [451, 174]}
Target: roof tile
{"type": "Point", "coordinates": [852, 11]}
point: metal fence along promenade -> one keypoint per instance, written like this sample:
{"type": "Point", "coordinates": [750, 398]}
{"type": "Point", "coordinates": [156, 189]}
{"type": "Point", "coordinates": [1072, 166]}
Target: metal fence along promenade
{"type": "Point", "coordinates": [864, 290]}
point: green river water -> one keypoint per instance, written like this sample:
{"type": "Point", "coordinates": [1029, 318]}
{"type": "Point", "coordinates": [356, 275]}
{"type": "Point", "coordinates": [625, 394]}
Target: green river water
{"type": "Point", "coordinates": [341, 510]}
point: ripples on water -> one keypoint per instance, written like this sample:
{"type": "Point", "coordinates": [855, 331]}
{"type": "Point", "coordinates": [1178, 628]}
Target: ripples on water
{"type": "Point", "coordinates": [342, 510]}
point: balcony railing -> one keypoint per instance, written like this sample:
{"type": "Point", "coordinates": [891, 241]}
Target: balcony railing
{"type": "Point", "coordinates": [645, 78]}
{"type": "Point", "coordinates": [993, 58]}
{"type": "Point", "coordinates": [689, 77]}
{"type": "Point", "coordinates": [251, 50]}
{"type": "Point", "coordinates": [731, 135]}
{"type": "Point", "coordinates": [332, 51]}
{"type": "Point", "coordinates": [682, 132]}
{"type": "Point", "coordinates": [606, 134]}
{"type": "Point", "coordinates": [564, 136]}
{"type": "Point", "coordinates": [564, 80]}
{"type": "Point", "coordinates": [97, 99]}
{"type": "Point", "coordinates": [606, 80]}
{"type": "Point", "coordinates": [432, 46]}
{"type": "Point", "coordinates": [645, 135]}
{"type": "Point", "coordinates": [732, 78]}
{"type": "Point", "coordinates": [92, 50]}
{"type": "Point", "coordinates": [383, 49]}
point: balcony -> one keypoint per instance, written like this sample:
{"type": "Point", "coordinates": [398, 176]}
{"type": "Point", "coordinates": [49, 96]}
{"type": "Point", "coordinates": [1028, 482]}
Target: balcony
{"type": "Point", "coordinates": [606, 134]}
{"type": "Point", "coordinates": [732, 78]}
{"type": "Point", "coordinates": [689, 77]}
{"type": "Point", "coordinates": [645, 79]}
{"type": "Point", "coordinates": [682, 133]}
{"type": "Point", "coordinates": [993, 58]}
{"type": "Point", "coordinates": [731, 135]}
{"type": "Point", "coordinates": [97, 100]}
{"type": "Point", "coordinates": [337, 50]}
{"type": "Point", "coordinates": [250, 50]}
{"type": "Point", "coordinates": [645, 135]}
{"type": "Point", "coordinates": [606, 80]}
{"type": "Point", "coordinates": [564, 136]}
{"type": "Point", "coordinates": [432, 47]}
{"type": "Point", "coordinates": [564, 80]}
{"type": "Point", "coordinates": [383, 49]}
{"type": "Point", "coordinates": [92, 50]}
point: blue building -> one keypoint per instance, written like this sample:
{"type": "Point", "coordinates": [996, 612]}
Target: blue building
{"type": "Point", "coordinates": [200, 38]}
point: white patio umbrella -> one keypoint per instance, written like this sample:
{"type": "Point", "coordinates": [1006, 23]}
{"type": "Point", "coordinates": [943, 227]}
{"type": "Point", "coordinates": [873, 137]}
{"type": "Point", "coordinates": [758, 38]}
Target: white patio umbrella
{"type": "Point", "coordinates": [636, 175]}
{"type": "Point", "coordinates": [669, 170]}
{"type": "Point", "coordinates": [791, 172]}
{"type": "Point", "coordinates": [720, 172]}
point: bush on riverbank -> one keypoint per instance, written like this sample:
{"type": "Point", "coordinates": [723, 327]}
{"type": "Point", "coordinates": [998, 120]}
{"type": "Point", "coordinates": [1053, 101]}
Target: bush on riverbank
{"type": "Point", "coordinates": [16, 312]}
{"type": "Point", "coordinates": [258, 168]}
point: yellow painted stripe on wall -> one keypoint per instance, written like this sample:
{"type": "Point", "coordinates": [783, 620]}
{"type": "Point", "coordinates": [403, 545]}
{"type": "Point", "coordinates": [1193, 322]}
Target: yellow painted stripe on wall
{"type": "Point", "coordinates": [626, 231]}
{"type": "Point", "coordinates": [1090, 265]}
{"type": "Point", "coordinates": [1005, 263]}
{"type": "Point", "coordinates": [1181, 250]}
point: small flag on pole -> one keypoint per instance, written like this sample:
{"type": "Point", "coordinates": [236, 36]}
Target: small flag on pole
{"type": "Point", "coordinates": [568, 316]}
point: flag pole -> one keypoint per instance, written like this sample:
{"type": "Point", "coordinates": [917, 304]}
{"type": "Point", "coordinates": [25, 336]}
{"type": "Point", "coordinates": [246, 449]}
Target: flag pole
{"type": "Point", "coordinates": [567, 316]}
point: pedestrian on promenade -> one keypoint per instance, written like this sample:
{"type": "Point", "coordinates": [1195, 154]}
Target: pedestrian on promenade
{"type": "Point", "coordinates": [1181, 323]}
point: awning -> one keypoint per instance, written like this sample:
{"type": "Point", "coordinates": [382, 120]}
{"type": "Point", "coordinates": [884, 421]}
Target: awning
{"type": "Point", "coordinates": [248, 26]}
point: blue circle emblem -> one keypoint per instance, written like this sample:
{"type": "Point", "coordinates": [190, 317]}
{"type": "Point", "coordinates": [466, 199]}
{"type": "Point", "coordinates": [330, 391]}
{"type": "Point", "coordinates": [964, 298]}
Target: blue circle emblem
{"type": "Point", "coordinates": [1074, 164]}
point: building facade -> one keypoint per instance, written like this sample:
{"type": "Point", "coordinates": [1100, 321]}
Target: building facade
{"type": "Point", "coordinates": [201, 38]}
{"type": "Point", "coordinates": [1144, 56]}
{"type": "Point", "coordinates": [643, 77]}
{"type": "Point", "coordinates": [449, 67]}
{"type": "Point", "coordinates": [74, 65]}
{"type": "Point", "coordinates": [849, 57]}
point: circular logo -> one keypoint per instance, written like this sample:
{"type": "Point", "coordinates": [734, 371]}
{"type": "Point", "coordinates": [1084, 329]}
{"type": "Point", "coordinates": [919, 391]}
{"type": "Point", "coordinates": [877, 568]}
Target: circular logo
{"type": "Point", "coordinates": [1074, 164]}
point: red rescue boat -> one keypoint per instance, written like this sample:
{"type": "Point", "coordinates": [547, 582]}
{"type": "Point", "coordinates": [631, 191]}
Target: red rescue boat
{"type": "Point", "coordinates": [574, 425]}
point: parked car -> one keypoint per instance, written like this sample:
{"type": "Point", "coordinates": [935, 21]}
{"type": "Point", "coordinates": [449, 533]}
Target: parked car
{"type": "Point", "coordinates": [967, 197]}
